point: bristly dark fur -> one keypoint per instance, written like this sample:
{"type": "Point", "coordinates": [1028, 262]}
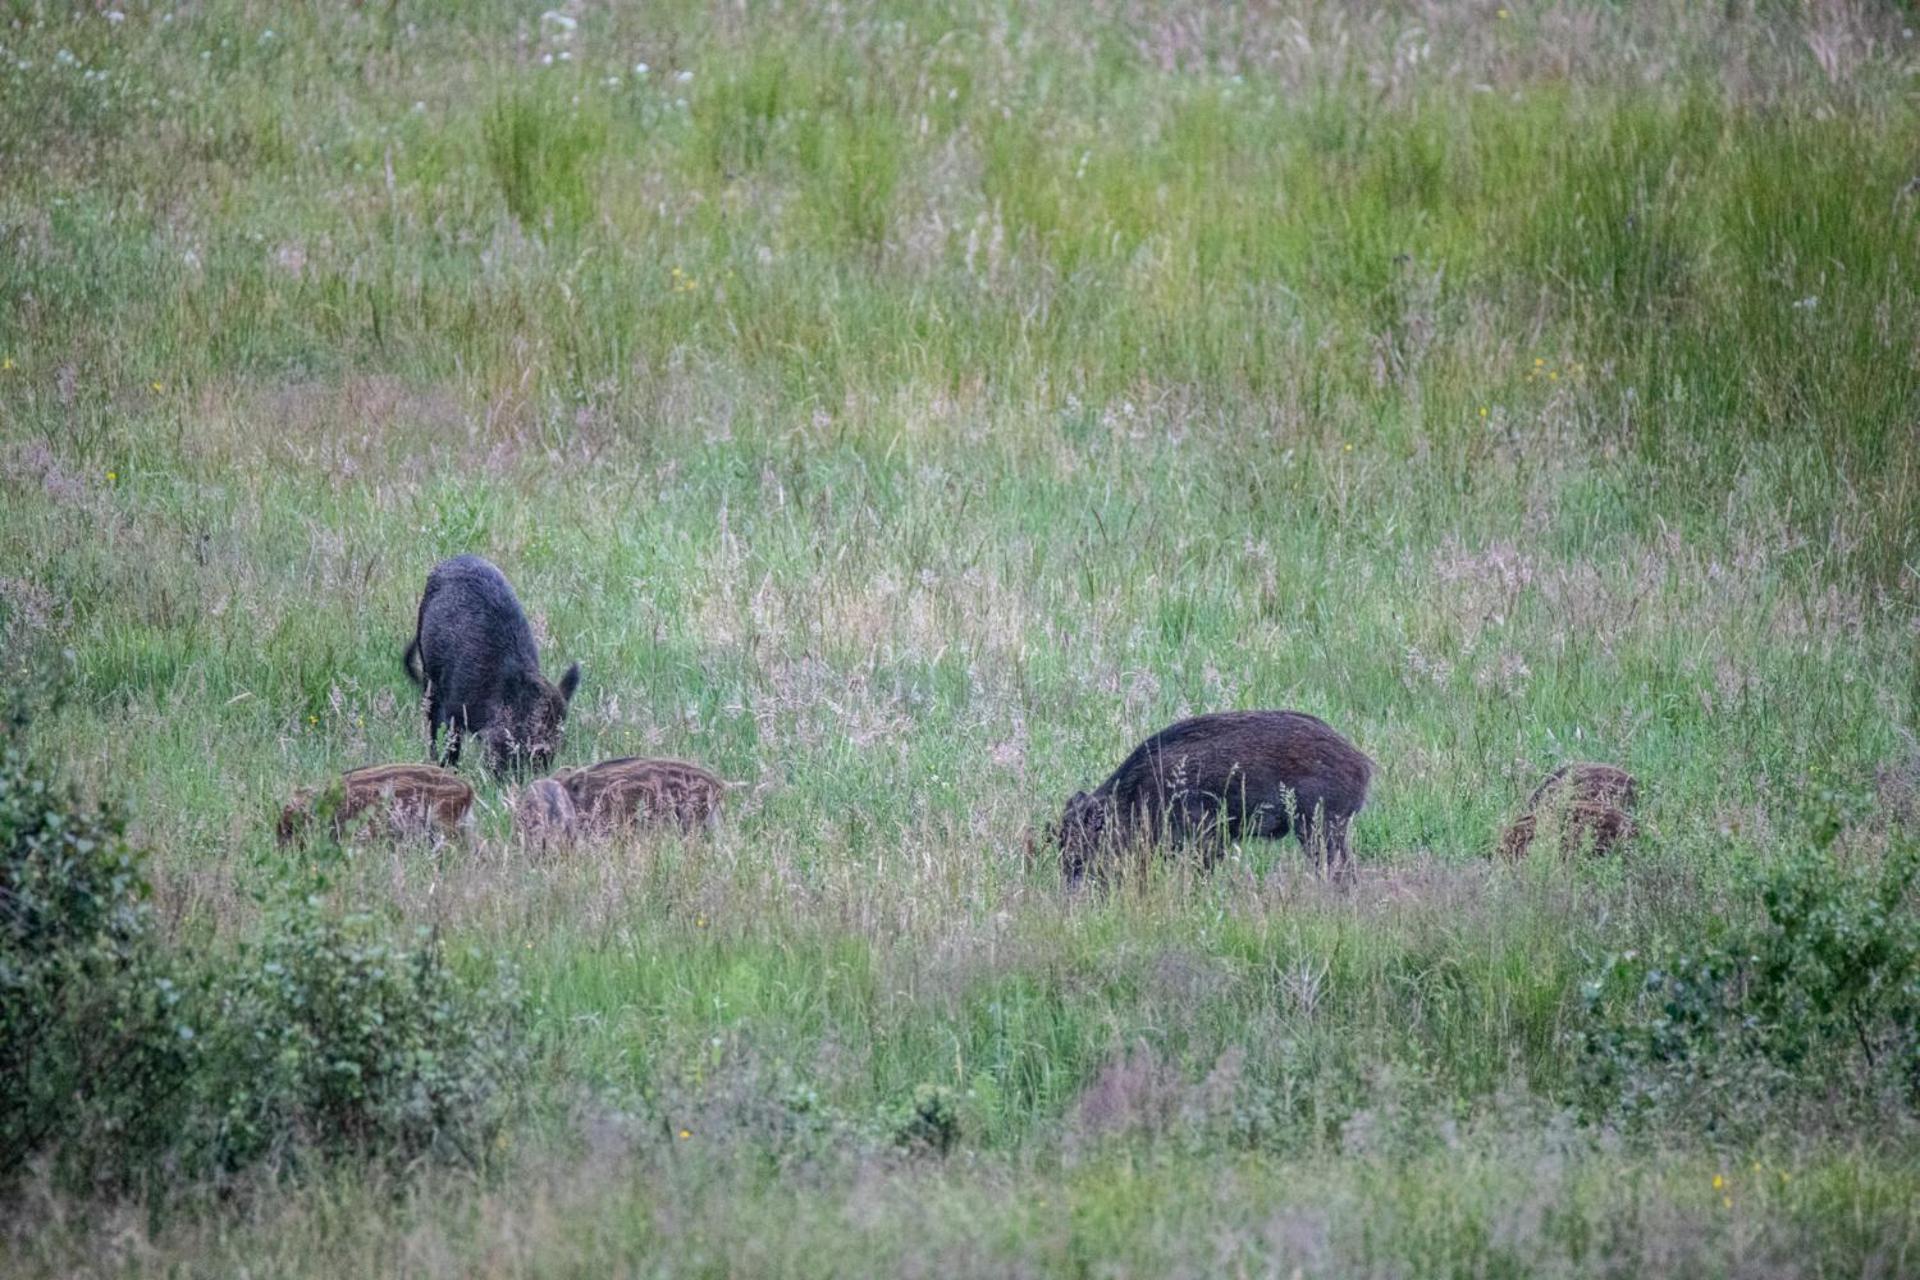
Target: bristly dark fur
{"type": "Point", "coordinates": [1214, 778]}
{"type": "Point", "coordinates": [473, 653]}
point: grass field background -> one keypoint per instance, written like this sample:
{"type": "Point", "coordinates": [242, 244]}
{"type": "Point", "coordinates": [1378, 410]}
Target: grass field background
{"type": "Point", "coordinates": [903, 410]}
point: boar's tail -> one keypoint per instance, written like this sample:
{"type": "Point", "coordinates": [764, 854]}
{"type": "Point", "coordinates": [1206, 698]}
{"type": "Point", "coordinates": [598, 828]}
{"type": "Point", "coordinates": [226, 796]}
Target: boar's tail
{"type": "Point", "coordinates": [411, 661]}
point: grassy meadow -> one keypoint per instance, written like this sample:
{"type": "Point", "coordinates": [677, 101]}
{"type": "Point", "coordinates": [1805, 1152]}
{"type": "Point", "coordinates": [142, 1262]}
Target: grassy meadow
{"type": "Point", "coordinates": [903, 410]}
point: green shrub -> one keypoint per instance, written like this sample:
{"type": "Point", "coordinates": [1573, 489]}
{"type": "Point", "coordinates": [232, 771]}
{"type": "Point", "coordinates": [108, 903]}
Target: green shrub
{"type": "Point", "coordinates": [94, 1045]}
{"type": "Point", "coordinates": [120, 1059]}
{"type": "Point", "coordinates": [334, 1039]}
{"type": "Point", "coordinates": [1817, 1004]}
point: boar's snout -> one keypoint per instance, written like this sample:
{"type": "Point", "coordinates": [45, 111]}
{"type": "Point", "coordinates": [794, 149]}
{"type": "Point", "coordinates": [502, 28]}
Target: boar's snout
{"type": "Point", "coordinates": [536, 729]}
{"type": "Point", "coordinates": [1081, 828]}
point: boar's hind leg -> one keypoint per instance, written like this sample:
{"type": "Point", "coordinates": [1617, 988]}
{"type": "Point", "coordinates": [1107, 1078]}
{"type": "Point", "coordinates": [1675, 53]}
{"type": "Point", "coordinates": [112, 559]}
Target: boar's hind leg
{"type": "Point", "coordinates": [438, 716]}
{"type": "Point", "coordinates": [435, 718]}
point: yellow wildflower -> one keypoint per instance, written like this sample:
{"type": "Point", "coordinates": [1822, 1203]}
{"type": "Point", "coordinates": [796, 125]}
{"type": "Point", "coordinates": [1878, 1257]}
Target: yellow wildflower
{"type": "Point", "coordinates": [685, 1134]}
{"type": "Point", "coordinates": [159, 386]}
{"type": "Point", "coordinates": [1718, 1182]}
{"type": "Point", "coordinates": [6, 364]}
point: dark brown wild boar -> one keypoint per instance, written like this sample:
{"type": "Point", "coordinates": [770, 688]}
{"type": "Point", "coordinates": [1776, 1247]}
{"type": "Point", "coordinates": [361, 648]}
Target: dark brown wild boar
{"type": "Point", "coordinates": [411, 799]}
{"type": "Point", "coordinates": [474, 656]}
{"type": "Point", "coordinates": [633, 790]}
{"type": "Point", "coordinates": [1215, 778]}
{"type": "Point", "coordinates": [544, 815]}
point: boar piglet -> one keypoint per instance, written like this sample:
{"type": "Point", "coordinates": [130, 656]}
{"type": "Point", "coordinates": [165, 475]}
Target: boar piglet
{"type": "Point", "coordinates": [544, 815]}
{"type": "Point", "coordinates": [1585, 783]}
{"type": "Point", "coordinates": [1584, 807]}
{"type": "Point", "coordinates": [1580, 827]}
{"type": "Point", "coordinates": [409, 799]}
{"type": "Point", "coordinates": [633, 790]}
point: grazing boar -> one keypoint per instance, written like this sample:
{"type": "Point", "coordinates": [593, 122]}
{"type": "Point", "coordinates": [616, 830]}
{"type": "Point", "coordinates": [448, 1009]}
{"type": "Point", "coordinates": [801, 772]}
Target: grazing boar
{"type": "Point", "coordinates": [544, 814]}
{"type": "Point", "coordinates": [473, 654]}
{"type": "Point", "coordinates": [1220, 777]}
{"type": "Point", "coordinates": [1585, 806]}
{"type": "Point", "coordinates": [630, 790]}
{"type": "Point", "coordinates": [413, 799]}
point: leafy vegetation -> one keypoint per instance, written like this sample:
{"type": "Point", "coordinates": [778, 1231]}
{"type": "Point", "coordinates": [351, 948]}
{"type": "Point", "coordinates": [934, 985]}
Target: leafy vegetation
{"type": "Point", "coordinates": [129, 1068]}
{"type": "Point", "coordinates": [94, 1048]}
{"type": "Point", "coordinates": [1817, 1002]}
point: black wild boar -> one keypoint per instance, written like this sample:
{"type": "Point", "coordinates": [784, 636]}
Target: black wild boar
{"type": "Point", "coordinates": [473, 654]}
{"type": "Point", "coordinates": [1220, 777]}
{"type": "Point", "coordinates": [412, 798]}
{"type": "Point", "coordinates": [632, 790]}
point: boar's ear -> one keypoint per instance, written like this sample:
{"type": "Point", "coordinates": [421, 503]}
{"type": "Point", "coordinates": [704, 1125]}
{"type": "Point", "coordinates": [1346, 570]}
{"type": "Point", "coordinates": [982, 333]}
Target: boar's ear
{"type": "Point", "coordinates": [570, 681]}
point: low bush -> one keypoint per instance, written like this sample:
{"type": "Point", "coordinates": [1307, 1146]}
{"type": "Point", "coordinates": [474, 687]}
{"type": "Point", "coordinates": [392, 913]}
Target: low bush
{"type": "Point", "coordinates": [127, 1066]}
{"type": "Point", "coordinates": [1814, 1006]}
{"type": "Point", "coordinates": [333, 1037]}
{"type": "Point", "coordinates": [96, 1042]}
